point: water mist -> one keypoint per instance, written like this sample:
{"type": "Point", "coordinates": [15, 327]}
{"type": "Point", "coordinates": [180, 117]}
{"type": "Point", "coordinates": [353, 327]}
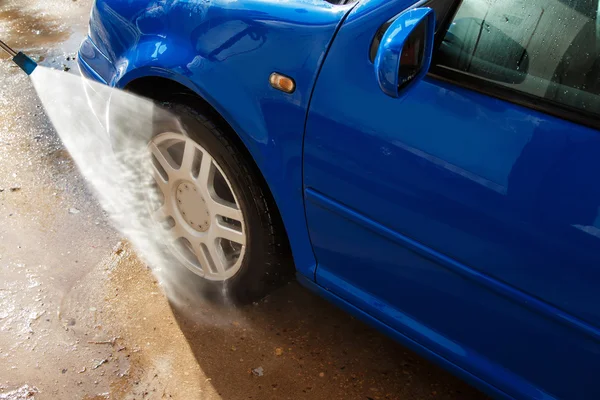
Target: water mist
{"type": "Point", "coordinates": [107, 131]}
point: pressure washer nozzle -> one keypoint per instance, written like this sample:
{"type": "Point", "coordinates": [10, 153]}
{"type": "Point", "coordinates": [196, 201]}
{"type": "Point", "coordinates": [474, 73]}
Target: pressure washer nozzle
{"type": "Point", "coordinates": [26, 63]}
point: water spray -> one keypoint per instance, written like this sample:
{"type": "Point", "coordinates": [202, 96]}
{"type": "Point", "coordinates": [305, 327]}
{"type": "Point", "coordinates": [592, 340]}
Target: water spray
{"type": "Point", "coordinates": [20, 58]}
{"type": "Point", "coordinates": [117, 174]}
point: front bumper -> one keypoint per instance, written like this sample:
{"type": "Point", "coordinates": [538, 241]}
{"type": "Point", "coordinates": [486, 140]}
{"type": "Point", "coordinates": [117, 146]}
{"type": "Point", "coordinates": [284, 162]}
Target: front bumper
{"type": "Point", "coordinates": [95, 68]}
{"type": "Point", "coordinates": [93, 63]}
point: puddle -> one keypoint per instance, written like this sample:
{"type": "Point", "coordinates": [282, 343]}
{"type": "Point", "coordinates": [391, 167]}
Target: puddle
{"type": "Point", "coordinates": [26, 31]}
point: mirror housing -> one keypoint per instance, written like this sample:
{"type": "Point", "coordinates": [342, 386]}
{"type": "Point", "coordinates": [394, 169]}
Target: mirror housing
{"type": "Point", "coordinates": [405, 51]}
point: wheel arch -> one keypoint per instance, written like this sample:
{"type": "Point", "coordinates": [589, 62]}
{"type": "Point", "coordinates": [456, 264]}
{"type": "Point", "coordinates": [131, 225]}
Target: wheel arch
{"type": "Point", "coordinates": [225, 53]}
{"type": "Point", "coordinates": [161, 88]}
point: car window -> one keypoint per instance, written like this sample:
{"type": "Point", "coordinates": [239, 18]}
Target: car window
{"type": "Point", "coordinates": [549, 49]}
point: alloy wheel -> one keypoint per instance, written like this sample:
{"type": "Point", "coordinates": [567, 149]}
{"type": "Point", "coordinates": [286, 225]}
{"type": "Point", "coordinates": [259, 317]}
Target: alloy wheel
{"type": "Point", "coordinates": [197, 207]}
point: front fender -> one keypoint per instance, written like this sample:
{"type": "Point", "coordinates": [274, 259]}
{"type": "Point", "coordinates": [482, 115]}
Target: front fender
{"type": "Point", "coordinates": [225, 52]}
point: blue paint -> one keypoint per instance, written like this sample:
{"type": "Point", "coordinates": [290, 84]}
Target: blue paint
{"type": "Point", "coordinates": [491, 284]}
{"type": "Point", "coordinates": [506, 337]}
{"type": "Point", "coordinates": [465, 226]}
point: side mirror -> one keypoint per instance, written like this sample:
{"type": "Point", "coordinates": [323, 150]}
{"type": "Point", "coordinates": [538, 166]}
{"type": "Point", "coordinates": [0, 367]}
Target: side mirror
{"type": "Point", "coordinates": [405, 51]}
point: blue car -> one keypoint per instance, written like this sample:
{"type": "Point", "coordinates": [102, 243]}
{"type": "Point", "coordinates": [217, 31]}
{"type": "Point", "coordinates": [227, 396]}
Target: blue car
{"type": "Point", "coordinates": [432, 167]}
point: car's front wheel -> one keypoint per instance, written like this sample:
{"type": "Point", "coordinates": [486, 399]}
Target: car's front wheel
{"type": "Point", "coordinates": [220, 222]}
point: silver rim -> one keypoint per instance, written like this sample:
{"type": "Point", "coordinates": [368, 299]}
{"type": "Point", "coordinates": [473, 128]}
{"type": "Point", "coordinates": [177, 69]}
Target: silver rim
{"type": "Point", "coordinates": [197, 207]}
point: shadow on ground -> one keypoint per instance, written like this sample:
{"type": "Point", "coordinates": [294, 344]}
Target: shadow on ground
{"type": "Point", "coordinates": [308, 349]}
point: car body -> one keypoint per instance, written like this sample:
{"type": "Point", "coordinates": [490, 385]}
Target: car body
{"type": "Point", "coordinates": [460, 215]}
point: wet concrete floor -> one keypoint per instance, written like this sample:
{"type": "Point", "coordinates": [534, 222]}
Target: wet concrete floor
{"type": "Point", "coordinates": [82, 318]}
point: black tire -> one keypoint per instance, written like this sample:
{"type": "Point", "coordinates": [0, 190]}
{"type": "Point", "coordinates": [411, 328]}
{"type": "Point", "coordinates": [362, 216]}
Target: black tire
{"type": "Point", "coordinates": [266, 262]}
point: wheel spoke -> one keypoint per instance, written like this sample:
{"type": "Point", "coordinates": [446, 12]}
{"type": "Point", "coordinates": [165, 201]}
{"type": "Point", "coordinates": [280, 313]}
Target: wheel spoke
{"type": "Point", "coordinates": [165, 161]}
{"type": "Point", "coordinates": [215, 255]}
{"type": "Point", "coordinates": [178, 231]}
{"type": "Point", "coordinates": [206, 174]}
{"type": "Point", "coordinates": [225, 209]}
{"type": "Point", "coordinates": [189, 153]}
{"type": "Point", "coordinates": [163, 185]}
{"type": "Point", "coordinates": [160, 214]}
{"type": "Point", "coordinates": [209, 261]}
{"type": "Point", "coordinates": [199, 253]}
{"type": "Point", "coordinates": [231, 234]}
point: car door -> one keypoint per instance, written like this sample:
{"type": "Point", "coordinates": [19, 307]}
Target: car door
{"type": "Point", "coordinates": [465, 213]}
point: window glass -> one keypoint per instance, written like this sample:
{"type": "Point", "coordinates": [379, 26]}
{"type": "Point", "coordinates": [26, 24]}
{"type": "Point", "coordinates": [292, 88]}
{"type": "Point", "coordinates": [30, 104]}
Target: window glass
{"type": "Point", "coordinates": [546, 48]}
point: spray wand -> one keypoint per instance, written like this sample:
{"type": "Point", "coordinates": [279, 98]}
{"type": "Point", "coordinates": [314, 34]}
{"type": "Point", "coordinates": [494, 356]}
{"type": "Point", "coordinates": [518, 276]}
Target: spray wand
{"type": "Point", "coordinates": [26, 63]}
